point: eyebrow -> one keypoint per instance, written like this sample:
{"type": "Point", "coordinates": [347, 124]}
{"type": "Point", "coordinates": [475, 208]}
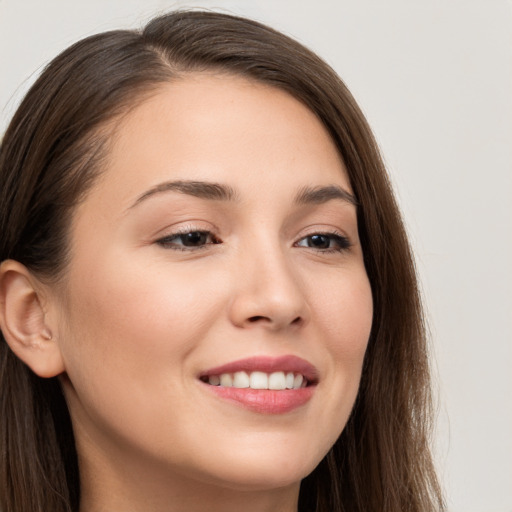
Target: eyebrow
{"type": "Point", "coordinates": [200, 189]}
{"type": "Point", "coordinates": [220, 192]}
{"type": "Point", "coordinates": [320, 195]}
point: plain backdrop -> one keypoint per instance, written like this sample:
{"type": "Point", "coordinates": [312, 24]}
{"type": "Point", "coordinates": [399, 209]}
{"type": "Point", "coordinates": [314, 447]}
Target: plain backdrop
{"type": "Point", "coordinates": [435, 81]}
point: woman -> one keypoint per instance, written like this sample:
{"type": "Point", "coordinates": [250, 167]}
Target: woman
{"type": "Point", "coordinates": [207, 296]}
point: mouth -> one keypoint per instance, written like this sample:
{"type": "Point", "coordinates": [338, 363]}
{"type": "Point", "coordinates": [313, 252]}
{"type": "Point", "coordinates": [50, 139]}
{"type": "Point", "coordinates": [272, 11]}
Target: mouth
{"type": "Point", "coordinates": [264, 384]}
{"type": "Point", "coordinates": [258, 380]}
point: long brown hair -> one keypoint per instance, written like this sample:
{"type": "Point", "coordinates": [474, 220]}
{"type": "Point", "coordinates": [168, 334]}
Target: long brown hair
{"type": "Point", "coordinates": [50, 156]}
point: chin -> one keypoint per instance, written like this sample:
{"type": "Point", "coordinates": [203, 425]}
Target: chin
{"type": "Point", "coordinates": [263, 473]}
{"type": "Point", "coordinates": [257, 480]}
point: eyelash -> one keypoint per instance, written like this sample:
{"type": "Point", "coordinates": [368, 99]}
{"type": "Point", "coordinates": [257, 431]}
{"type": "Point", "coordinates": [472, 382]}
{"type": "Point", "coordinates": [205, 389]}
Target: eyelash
{"type": "Point", "coordinates": [342, 242]}
{"type": "Point", "coordinates": [168, 242]}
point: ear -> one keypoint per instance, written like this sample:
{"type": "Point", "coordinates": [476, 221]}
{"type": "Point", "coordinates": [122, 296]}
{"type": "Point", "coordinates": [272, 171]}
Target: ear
{"type": "Point", "coordinates": [23, 320]}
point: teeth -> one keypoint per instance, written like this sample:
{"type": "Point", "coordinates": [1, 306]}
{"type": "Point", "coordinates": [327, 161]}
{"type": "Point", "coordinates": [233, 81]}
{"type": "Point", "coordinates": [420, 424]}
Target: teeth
{"type": "Point", "coordinates": [277, 380]}
{"type": "Point", "coordinates": [259, 380]}
{"type": "Point", "coordinates": [297, 381]}
{"type": "Point", "coordinates": [214, 380]}
{"type": "Point", "coordinates": [241, 380]}
{"type": "Point", "coordinates": [226, 380]}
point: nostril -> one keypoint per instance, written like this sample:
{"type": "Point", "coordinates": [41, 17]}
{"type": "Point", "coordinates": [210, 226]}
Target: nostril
{"type": "Point", "coordinates": [257, 318]}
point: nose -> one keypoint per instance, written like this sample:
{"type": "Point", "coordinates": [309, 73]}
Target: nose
{"type": "Point", "coordinates": [268, 293]}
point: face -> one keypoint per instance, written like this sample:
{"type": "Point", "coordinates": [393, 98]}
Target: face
{"type": "Point", "coordinates": [218, 250]}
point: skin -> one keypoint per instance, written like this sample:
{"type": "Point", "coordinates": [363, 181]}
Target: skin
{"type": "Point", "coordinates": [136, 320]}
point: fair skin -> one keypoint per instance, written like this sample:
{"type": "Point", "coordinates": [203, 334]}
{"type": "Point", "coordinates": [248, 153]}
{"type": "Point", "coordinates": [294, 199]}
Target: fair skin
{"type": "Point", "coordinates": [146, 311]}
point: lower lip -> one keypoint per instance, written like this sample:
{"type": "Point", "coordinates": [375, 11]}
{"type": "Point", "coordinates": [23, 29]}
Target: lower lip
{"type": "Point", "coordinates": [265, 401]}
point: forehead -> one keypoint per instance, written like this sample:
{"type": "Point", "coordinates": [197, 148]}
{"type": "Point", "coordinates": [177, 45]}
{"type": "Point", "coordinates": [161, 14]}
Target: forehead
{"type": "Point", "coordinates": [220, 128]}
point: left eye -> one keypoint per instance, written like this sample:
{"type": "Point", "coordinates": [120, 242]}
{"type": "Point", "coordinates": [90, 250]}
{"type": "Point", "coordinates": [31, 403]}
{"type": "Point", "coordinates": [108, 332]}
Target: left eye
{"type": "Point", "coordinates": [325, 242]}
{"type": "Point", "coordinates": [188, 240]}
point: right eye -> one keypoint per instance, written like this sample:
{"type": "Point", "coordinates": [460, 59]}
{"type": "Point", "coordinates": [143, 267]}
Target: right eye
{"type": "Point", "coordinates": [188, 240]}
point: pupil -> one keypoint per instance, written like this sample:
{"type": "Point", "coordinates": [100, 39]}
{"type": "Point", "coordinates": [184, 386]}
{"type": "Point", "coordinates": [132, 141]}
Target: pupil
{"type": "Point", "coordinates": [194, 238]}
{"type": "Point", "coordinates": [319, 241]}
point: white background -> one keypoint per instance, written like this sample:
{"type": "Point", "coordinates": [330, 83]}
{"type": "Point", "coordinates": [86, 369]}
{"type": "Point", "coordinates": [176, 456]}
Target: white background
{"type": "Point", "coordinates": [435, 81]}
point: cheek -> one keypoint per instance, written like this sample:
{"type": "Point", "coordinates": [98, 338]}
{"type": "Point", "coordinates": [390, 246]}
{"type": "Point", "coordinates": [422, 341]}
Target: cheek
{"type": "Point", "coordinates": [345, 311]}
{"type": "Point", "coordinates": [341, 319]}
{"type": "Point", "coordinates": [136, 324]}
{"type": "Point", "coordinates": [129, 331]}
{"type": "Point", "coordinates": [123, 313]}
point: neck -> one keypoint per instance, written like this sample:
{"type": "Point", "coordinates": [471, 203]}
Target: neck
{"type": "Point", "coordinates": [110, 486]}
{"type": "Point", "coordinates": [177, 495]}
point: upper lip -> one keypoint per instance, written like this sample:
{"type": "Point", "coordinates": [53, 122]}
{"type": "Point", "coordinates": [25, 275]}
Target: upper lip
{"type": "Point", "coordinates": [267, 364]}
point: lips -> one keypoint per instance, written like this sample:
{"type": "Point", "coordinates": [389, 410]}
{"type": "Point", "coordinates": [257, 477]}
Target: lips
{"type": "Point", "coordinates": [263, 384]}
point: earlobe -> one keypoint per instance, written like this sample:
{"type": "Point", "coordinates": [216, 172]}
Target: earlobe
{"type": "Point", "coordinates": [23, 322]}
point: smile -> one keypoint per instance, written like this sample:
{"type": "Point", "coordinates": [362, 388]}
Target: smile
{"type": "Point", "coordinates": [259, 380]}
{"type": "Point", "coordinates": [264, 384]}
